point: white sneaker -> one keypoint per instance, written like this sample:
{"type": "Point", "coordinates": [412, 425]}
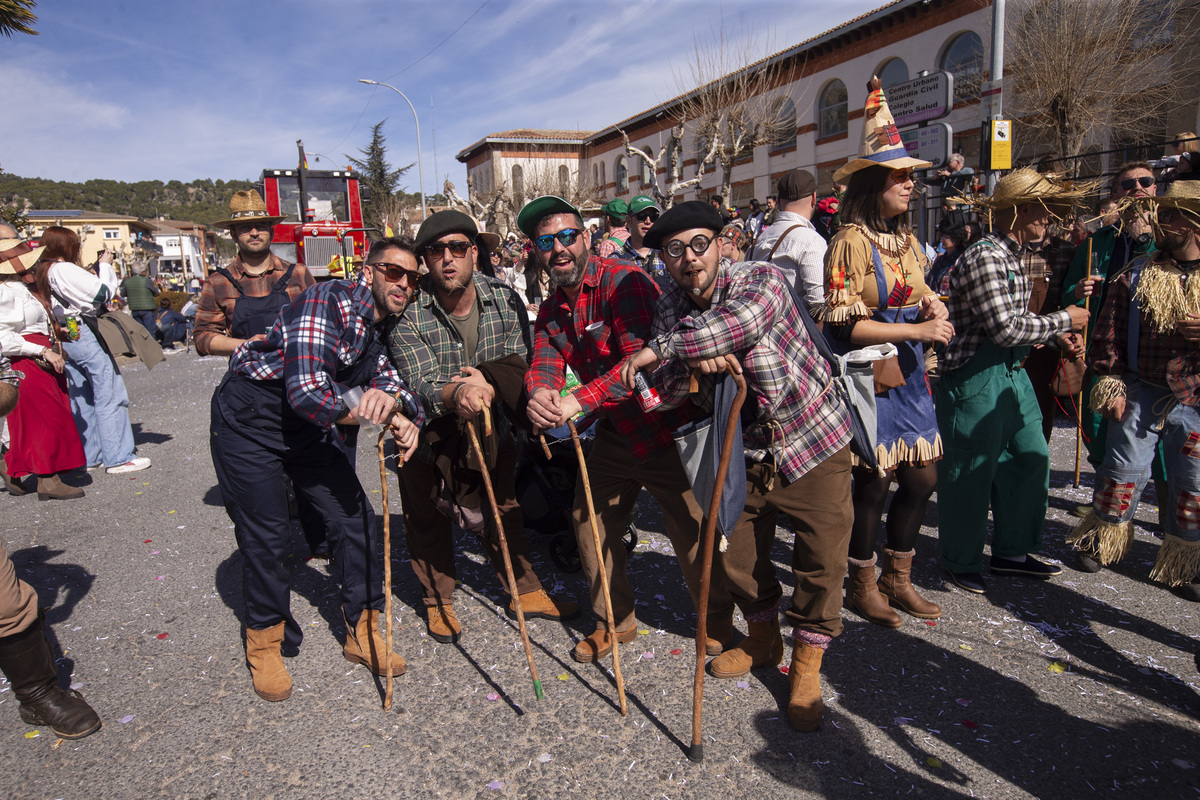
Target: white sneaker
{"type": "Point", "coordinates": [138, 464]}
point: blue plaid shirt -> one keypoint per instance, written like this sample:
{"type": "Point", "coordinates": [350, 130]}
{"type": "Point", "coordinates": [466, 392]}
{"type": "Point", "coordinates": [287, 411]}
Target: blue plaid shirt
{"type": "Point", "coordinates": [326, 330]}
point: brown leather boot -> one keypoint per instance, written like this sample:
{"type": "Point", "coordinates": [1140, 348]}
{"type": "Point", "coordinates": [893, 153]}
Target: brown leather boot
{"type": "Point", "coordinates": [365, 645]}
{"type": "Point", "coordinates": [718, 633]}
{"type": "Point", "coordinates": [599, 644]}
{"type": "Point", "coordinates": [864, 596]}
{"type": "Point", "coordinates": [539, 604]}
{"type": "Point", "coordinates": [51, 487]}
{"type": "Point", "coordinates": [271, 679]}
{"type": "Point", "coordinates": [13, 485]}
{"type": "Point", "coordinates": [805, 704]}
{"type": "Point", "coordinates": [896, 584]}
{"type": "Point", "coordinates": [762, 647]}
{"type": "Point", "coordinates": [441, 623]}
{"type": "Point", "coordinates": [26, 660]}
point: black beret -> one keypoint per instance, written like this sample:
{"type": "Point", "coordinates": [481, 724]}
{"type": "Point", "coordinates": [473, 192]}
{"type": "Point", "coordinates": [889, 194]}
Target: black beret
{"type": "Point", "coordinates": [684, 217]}
{"type": "Point", "coordinates": [440, 223]}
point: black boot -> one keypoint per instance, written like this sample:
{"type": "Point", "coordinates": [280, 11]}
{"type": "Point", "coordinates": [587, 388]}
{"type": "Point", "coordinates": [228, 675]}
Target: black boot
{"type": "Point", "coordinates": [26, 661]}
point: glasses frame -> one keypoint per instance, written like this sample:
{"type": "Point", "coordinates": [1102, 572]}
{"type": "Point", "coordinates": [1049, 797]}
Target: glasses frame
{"type": "Point", "coordinates": [566, 237]}
{"type": "Point", "coordinates": [387, 270]}
{"type": "Point", "coordinates": [1129, 184]}
{"type": "Point", "coordinates": [438, 249]}
{"type": "Point", "coordinates": [685, 246]}
{"type": "Point", "coordinates": [649, 215]}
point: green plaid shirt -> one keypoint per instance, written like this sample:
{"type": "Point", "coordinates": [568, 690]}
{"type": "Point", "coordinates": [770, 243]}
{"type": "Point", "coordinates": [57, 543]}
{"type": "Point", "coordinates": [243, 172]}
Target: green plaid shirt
{"type": "Point", "coordinates": [427, 350]}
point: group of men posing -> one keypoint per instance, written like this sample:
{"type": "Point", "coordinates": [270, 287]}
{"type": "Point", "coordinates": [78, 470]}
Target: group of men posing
{"type": "Point", "coordinates": [430, 352]}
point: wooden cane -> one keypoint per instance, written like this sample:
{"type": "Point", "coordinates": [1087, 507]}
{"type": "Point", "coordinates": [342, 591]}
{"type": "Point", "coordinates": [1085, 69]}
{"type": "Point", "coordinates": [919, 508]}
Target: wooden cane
{"type": "Point", "coordinates": [1079, 400]}
{"type": "Point", "coordinates": [387, 569]}
{"type": "Point", "coordinates": [707, 541]}
{"type": "Point", "coordinates": [608, 608]}
{"type": "Point", "coordinates": [508, 569]}
{"type": "Point", "coordinates": [545, 447]}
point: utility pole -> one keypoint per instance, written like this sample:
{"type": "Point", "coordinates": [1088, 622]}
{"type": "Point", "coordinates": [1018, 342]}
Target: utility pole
{"type": "Point", "coordinates": [997, 79]}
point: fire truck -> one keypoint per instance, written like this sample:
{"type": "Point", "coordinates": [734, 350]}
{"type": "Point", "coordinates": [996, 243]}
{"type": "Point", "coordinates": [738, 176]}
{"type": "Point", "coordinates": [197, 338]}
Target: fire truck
{"type": "Point", "coordinates": [323, 216]}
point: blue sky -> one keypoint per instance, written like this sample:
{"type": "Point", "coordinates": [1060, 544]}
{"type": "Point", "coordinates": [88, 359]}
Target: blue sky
{"type": "Point", "coordinates": [140, 89]}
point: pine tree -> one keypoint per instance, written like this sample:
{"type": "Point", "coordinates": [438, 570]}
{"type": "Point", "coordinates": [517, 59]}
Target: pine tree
{"type": "Point", "coordinates": [377, 173]}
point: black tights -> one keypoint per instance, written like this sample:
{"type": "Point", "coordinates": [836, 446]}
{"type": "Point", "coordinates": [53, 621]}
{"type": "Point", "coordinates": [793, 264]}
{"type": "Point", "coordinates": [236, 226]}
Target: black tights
{"type": "Point", "coordinates": [916, 485]}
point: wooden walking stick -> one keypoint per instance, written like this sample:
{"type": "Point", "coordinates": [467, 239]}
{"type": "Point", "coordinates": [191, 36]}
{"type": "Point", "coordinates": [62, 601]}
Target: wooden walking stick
{"type": "Point", "coordinates": [707, 543]}
{"type": "Point", "coordinates": [508, 569]}
{"type": "Point", "coordinates": [608, 609]}
{"type": "Point", "coordinates": [1079, 400]}
{"type": "Point", "coordinates": [387, 567]}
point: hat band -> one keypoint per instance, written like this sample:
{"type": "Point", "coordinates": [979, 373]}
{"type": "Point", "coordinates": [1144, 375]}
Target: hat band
{"type": "Point", "coordinates": [13, 256]}
{"type": "Point", "coordinates": [261, 212]}
{"type": "Point", "coordinates": [887, 155]}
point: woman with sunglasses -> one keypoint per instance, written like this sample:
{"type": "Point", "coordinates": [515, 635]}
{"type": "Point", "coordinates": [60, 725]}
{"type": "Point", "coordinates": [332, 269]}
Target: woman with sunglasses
{"type": "Point", "coordinates": [876, 294]}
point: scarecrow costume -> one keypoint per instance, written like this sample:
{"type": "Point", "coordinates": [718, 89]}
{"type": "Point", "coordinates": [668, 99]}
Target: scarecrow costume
{"type": "Point", "coordinates": [1139, 355]}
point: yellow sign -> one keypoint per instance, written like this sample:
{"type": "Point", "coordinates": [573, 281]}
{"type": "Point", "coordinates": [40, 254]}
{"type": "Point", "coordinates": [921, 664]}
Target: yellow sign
{"type": "Point", "coordinates": [1001, 144]}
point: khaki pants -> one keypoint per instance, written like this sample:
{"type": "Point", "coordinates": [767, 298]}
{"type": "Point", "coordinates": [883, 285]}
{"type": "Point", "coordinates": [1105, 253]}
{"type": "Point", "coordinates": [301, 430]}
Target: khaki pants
{"type": "Point", "coordinates": [616, 478]}
{"type": "Point", "coordinates": [818, 504]}
{"type": "Point", "coordinates": [18, 600]}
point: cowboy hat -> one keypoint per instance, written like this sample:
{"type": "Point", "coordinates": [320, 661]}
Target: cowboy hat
{"type": "Point", "coordinates": [247, 206]}
{"type": "Point", "coordinates": [881, 145]}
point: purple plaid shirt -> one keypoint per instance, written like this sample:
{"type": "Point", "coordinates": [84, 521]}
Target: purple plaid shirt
{"type": "Point", "coordinates": [797, 419]}
{"type": "Point", "coordinates": [328, 327]}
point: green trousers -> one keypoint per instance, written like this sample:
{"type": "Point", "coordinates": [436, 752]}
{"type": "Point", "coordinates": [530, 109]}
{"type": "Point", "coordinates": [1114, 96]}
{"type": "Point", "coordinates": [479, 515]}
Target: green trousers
{"type": "Point", "coordinates": [995, 455]}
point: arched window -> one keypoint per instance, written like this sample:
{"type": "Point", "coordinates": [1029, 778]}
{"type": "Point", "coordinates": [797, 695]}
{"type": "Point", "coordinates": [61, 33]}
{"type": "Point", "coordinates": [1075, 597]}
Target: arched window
{"type": "Point", "coordinates": [963, 59]}
{"type": "Point", "coordinates": [893, 71]}
{"type": "Point", "coordinates": [621, 175]}
{"type": "Point", "coordinates": [564, 180]}
{"type": "Point", "coordinates": [518, 184]}
{"type": "Point", "coordinates": [783, 117]}
{"type": "Point", "coordinates": [646, 175]}
{"type": "Point", "coordinates": [603, 177]}
{"type": "Point", "coordinates": [596, 176]}
{"type": "Point", "coordinates": [831, 109]}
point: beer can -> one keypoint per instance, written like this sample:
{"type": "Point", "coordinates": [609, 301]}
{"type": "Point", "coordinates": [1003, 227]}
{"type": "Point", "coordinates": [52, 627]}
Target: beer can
{"type": "Point", "coordinates": [647, 397]}
{"type": "Point", "coordinates": [72, 328]}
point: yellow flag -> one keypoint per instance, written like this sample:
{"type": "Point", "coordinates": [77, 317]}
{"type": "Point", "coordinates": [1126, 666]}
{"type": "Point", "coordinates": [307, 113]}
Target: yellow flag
{"type": "Point", "coordinates": [335, 267]}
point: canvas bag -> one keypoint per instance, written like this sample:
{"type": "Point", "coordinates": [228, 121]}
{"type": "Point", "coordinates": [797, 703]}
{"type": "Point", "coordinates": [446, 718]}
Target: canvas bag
{"type": "Point", "coordinates": [699, 444]}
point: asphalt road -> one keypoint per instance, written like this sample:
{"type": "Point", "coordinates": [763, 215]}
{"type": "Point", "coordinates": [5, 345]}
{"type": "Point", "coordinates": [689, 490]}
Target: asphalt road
{"type": "Point", "coordinates": [1085, 685]}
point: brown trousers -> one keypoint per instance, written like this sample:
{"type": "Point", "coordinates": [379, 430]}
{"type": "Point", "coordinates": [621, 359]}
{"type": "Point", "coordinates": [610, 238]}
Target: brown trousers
{"type": "Point", "coordinates": [18, 600]}
{"type": "Point", "coordinates": [819, 506]}
{"type": "Point", "coordinates": [431, 544]}
{"type": "Point", "coordinates": [616, 479]}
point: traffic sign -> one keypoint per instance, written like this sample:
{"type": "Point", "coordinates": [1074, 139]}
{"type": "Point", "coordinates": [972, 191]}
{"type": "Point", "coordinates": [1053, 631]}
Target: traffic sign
{"type": "Point", "coordinates": [921, 99]}
{"type": "Point", "coordinates": [930, 143]}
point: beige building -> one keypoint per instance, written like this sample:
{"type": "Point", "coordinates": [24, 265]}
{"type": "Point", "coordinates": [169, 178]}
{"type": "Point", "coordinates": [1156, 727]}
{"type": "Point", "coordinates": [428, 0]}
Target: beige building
{"type": "Point", "coordinates": [128, 237]}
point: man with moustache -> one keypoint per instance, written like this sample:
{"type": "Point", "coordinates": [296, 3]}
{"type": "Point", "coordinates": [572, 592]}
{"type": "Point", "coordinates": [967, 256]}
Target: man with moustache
{"type": "Point", "coordinates": [598, 313]}
{"type": "Point", "coordinates": [274, 415]}
{"type": "Point", "coordinates": [462, 345]}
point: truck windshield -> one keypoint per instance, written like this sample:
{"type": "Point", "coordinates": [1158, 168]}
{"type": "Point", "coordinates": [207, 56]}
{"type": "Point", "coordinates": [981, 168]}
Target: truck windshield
{"type": "Point", "coordinates": [326, 198]}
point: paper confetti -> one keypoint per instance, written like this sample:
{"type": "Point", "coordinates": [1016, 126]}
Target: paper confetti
{"type": "Point", "coordinates": [676, 651]}
{"type": "Point", "coordinates": [172, 511]}
{"type": "Point", "coordinates": [545, 758]}
{"type": "Point", "coordinates": [931, 623]}
{"type": "Point", "coordinates": [969, 724]}
{"type": "Point", "coordinates": [160, 577]}
{"type": "Point", "coordinates": [165, 635]}
{"type": "Point", "coordinates": [564, 677]}
{"type": "Point", "coordinates": [784, 669]}
{"type": "Point", "coordinates": [126, 720]}
{"type": "Point", "coordinates": [32, 734]}
{"type": "Point", "coordinates": [148, 541]}
{"type": "Point", "coordinates": [644, 632]}
{"type": "Point", "coordinates": [962, 701]}
{"type": "Point", "coordinates": [496, 785]}
{"type": "Point", "coordinates": [965, 647]}
{"type": "Point", "coordinates": [1057, 668]}
{"type": "Point", "coordinates": [493, 696]}
{"type": "Point", "coordinates": [743, 684]}
{"type": "Point", "coordinates": [648, 654]}
{"type": "Point", "coordinates": [934, 762]}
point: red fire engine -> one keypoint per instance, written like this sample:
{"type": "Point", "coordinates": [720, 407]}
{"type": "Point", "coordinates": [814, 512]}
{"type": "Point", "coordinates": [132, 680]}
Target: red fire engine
{"type": "Point", "coordinates": [323, 217]}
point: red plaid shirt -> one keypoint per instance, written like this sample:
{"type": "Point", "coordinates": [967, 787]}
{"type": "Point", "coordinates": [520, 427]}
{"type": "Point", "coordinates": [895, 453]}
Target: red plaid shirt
{"type": "Point", "coordinates": [608, 322]}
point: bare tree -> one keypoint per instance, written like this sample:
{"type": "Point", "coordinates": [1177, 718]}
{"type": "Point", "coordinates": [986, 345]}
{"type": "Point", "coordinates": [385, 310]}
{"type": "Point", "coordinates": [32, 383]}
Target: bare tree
{"type": "Point", "coordinates": [672, 160]}
{"type": "Point", "coordinates": [1079, 75]}
{"type": "Point", "coordinates": [496, 210]}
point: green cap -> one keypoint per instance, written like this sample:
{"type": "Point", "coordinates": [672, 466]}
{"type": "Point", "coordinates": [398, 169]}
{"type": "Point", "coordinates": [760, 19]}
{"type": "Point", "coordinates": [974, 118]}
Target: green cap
{"type": "Point", "coordinates": [539, 208]}
{"type": "Point", "coordinates": [640, 203]}
{"type": "Point", "coordinates": [616, 208]}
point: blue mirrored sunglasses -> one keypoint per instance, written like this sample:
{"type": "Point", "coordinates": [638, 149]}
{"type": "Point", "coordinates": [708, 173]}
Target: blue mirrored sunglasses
{"type": "Point", "coordinates": [566, 237]}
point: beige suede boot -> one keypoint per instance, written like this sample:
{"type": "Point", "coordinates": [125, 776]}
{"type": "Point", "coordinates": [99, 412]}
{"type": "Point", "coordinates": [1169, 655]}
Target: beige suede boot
{"type": "Point", "coordinates": [271, 679]}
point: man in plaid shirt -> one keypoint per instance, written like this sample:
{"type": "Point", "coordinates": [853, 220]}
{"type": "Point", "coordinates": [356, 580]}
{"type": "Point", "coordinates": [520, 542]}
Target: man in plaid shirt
{"type": "Point", "coordinates": [987, 413]}
{"type": "Point", "coordinates": [1146, 354]}
{"type": "Point", "coordinates": [642, 213]}
{"type": "Point", "coordinates": [274, 415]}
{"type": "Point", "coordinates": [598, 314]}
{"type": "Point", "coordinates": [460, 321]}
{"type": "Point", "coordinates": [796, 440]}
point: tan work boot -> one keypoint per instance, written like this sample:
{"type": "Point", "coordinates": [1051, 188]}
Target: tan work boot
{"type": "Point", "coordinates": [762, 647]}
{"type": "Point", "coordinates": [718, 633]}
{"type": "Point", "coordinates": [441, 624]}
{"type": "Point", "coordinates": [599, 644]}
{"type": "Point", "coordinates": [863, 595]}
{"type": "Point", "coordinates": [365, 645]}
{"type": "Point", "coordinates": [541, 605]}
{"type": "Point", "coordinates": [51, 487]}
{"type": "Point", "coordinates": [805, 704]}
{"type": "Point", "coordinates": [271, 679]}
{"type": "Point", "coordinates": [896, 585]}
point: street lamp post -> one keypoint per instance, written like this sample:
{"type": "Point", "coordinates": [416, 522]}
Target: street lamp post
{"type": "Point", "coordinates": [420, 166]}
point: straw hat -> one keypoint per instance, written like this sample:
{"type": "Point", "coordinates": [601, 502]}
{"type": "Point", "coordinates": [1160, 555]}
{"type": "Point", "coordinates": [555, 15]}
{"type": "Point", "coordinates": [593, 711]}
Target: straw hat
{"type": "Point", "coordinates": [1027, 185]}
{"type": "Point", "coordinates": [17, 257]}
{"type": "Point", "coordinates": [881, 145]}
{"type": "Point", "coordinates": [247, 206]}
{"type": "Point", "coordinates": [1184, 195]}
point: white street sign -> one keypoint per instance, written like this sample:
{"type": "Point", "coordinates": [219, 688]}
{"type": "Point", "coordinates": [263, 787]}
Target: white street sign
{"type": "Point", "coordinates": [931, 143]}
{"type": "Point", "coordinates": [921, 99]}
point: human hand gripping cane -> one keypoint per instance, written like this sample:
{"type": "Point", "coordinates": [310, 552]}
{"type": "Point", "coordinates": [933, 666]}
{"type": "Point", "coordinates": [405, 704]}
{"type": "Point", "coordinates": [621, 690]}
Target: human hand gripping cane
{"type": "Point", "coordinates": [707, 544]}
{"type": "Point", "coordinates": [508, 569]}
{"type": "Point", "coordinates": [1079, 400]}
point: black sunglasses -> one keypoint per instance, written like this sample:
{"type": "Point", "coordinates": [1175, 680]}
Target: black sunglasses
{"type": "Point", "coordinates": [392, 273]}
{"type": "Point", "coordinates": [1145, 182]}
{"type": "Point", "coordinates": [649, 215]}
{"type": "Point", "coordinates": [566, 237]}
{"type": "Point", "coordinates": [457, 247]}
{"type": "Point", "coordinates": [699, 245]}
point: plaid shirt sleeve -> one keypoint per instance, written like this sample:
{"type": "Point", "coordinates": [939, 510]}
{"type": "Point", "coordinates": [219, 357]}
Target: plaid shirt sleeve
{"type": "Point", "coordinates": [547, 366]}
{"type": "Point", "coordinates": [212, 317]}
{"type": "Point", "coordinates": [416, 364]}
{"type": "Point", "coordinates": [627, 298]}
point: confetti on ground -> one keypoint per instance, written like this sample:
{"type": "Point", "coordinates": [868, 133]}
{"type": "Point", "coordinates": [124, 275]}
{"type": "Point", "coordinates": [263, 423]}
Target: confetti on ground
{"type": "Point", "coordinates": [147, 541]}
{"type": "Point", "coordinates": [648, 654]}
{"type": "Point", "coordinates": [154, 552]}
{"type": "Point", "coordinates": [137, 492]}
{"type": "Point", "coordinates": [969, 724]}
{"type": "Point", "coordinates": [56, 744]}
{"type": "Point", "coordinates": [784, 669]}
{"type": "Point", "coordinates": [965, 647]}
{"type": "Point", "coordinates": [160, 577]}
{"type": "Point", "coordinates": [32, 734]}
{"type": "Point", "coordinates": [496, 785]}
{"type": "Point", "coordinates": [545, 758]}
{"type": "Point", "coordinates": [147, 483]}
{"type": "Point", "coordinates": [931, 623]}
{"type": "Point", "coordinates": [493, 696]}
{"type": "Point", "coordinates": [936, 763]}
{"type": "Point", "coordinates": [743, 684]}
{"type": "Point", "coordinates": [172, 511]}
{"type": "Point", "coordinates": [165, 635]}
{"type": "Point", "coordinates": [644, 632]}
{"type": "Point", "coordinates": [564, 677]}
{"type": "Point", "coordinates": [676, 651]}
{"type": "Point", "coordinates": [962, 701]}
{"type": "Point", "coordinates": [1057, 668]}
{"type": "Point", "coordinates": [126, 719]}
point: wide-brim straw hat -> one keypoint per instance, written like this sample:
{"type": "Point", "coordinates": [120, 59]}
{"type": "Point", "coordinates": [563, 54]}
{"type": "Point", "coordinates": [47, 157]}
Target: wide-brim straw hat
{"type": "Point", "coordinates": [247, 206]}
{"type": "Point", "coordinates": [1027, 185]}
{"type": "Point", "coordinates": [1184, 195]}
{"type": "Point", "coordinates": [881, 145]}
{"type": "Point", "coordinates": [17, 256]}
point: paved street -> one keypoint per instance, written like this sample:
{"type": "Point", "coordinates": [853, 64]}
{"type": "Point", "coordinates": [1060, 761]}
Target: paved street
{"type": "Point", "coordinates": [1078, 687]}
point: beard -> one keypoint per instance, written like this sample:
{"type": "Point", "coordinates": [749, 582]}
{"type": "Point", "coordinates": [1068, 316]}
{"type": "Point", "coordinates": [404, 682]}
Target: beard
{"type": "Point", "coordinates": [571, 278]}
